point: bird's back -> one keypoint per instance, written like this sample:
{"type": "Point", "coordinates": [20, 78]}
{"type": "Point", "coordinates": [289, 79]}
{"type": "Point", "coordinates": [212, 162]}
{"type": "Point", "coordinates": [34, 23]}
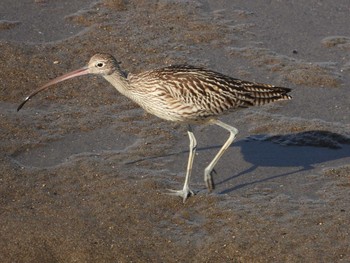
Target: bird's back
{"type": "Point", "coordinates": [196, 93]}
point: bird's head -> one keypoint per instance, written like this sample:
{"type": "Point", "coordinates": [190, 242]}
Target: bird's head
{"type": "Point", "coordinates": [100, 64]}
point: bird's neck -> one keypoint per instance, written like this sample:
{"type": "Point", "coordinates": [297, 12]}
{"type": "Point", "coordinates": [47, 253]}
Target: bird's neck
{"type": "Point", "coordinates": [119, 80]}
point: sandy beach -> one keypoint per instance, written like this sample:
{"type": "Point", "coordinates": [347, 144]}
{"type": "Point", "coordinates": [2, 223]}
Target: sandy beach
{"type": "Point", "coordinates": [85, 171]}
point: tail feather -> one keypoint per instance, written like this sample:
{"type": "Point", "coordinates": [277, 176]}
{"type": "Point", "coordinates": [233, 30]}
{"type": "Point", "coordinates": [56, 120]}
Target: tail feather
{"type": "Point", "coordinates": [263, 94]}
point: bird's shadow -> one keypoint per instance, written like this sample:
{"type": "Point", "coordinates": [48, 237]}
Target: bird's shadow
{"type": "Point", "coordinates": [300, 150]}
{"type": "Point", "coordinates": [270, 154]}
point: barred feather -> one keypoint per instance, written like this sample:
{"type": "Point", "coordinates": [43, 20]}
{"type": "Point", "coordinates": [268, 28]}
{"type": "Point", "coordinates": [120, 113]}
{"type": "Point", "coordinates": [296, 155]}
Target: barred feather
{"type": "Point", "coordinates": [196, 93]}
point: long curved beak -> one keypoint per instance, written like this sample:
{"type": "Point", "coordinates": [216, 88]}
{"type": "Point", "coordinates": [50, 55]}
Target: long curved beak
{"type": "Point", "coordinates": [76, 73]}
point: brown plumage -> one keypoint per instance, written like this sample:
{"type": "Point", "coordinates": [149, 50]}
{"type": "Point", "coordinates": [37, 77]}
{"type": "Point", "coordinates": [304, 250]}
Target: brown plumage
{"type": "Point", "coordinates": [184, 94]}
{"type": "Point", "coordinates": [197, 93]}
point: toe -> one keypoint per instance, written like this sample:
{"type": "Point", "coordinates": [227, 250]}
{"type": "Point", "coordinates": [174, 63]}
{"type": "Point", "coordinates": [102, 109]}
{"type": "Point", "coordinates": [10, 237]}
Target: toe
{"type": "Point", "coordinates": [184, 193]}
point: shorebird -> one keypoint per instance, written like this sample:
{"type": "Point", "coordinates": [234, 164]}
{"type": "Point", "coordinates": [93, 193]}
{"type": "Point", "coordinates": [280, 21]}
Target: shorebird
{"type": "Point", "coordinates": [184, 94]}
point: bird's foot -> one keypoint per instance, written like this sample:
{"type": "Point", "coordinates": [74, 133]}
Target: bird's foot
{"type": "Point", "coordinates": [184, 193]}
{"type": "Point", "coordinates": [208, 179]}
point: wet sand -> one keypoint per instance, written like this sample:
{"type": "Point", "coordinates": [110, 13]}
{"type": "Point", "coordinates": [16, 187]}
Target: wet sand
{"type": "Point", "coordinates": [84, 171]}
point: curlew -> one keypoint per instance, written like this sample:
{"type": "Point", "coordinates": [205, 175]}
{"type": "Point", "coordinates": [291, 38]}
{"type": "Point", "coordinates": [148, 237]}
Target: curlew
{"type": "Point", "coordinates": [184, 94]}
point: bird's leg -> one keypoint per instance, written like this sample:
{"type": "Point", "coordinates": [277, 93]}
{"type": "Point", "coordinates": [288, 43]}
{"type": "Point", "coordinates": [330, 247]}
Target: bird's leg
{"type": "Point", "coordinates": [186, 191]}
{"type": "Point", "coordinates": [208, 179]}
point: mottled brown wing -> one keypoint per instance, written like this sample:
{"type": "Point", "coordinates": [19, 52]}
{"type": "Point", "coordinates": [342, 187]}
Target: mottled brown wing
{"type": "Point", "coordinates": [214, 91]}
{"type": "Point", "coordinates": [198, 93]}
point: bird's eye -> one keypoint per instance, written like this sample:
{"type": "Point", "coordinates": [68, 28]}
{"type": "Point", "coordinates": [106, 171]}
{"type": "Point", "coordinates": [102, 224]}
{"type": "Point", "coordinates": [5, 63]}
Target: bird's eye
{"type": "Point", "coordinates": [100, 65]}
